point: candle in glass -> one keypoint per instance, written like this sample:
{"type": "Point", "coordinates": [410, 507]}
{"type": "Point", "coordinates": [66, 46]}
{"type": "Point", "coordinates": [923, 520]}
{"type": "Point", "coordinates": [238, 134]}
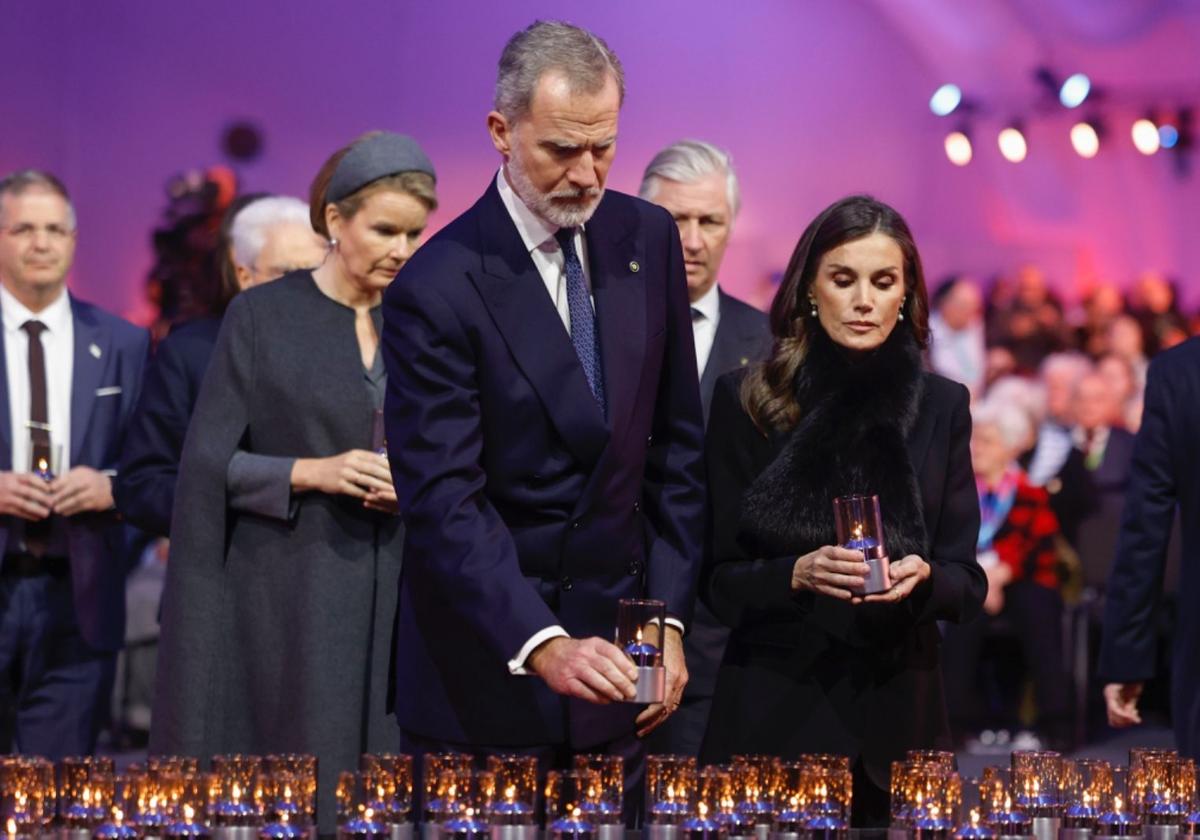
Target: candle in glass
{"type": "Point", "coordinates": [566, 795]}
{"type": "Point", "coordinates": [640, 628]}
{"type": "Point", "coordinates": [116, 828]}
{"type": "Point", "coordinates": [391, 777]}
{"type": "Point", "coordinates": [186, 827]}
{"type": "Point", "coordinates": [670, 786]}
{"type": "Point", "coordinates": [859, 524]}
{"type": "Point", "coordinates": [607, 808]}
{"type": "Point", "coordinates": [443, 776]}
{"type": "Point", "coordinates": [516, 790]}
{"type": "Point", "coordinates": [754, 781]}
{"type": "Point", "coordinates": [1118, 822]}
{"type": "Point", "coordinates": [703, 826]}
{"type": "Point", "coordinates": [974, 828]}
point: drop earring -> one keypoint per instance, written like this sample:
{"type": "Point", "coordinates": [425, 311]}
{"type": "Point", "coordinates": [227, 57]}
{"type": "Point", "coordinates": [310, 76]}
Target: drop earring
{"type": "Point", "coordinates": [902, 303]}
{"type": "Point", "coordinates": [812, 302]}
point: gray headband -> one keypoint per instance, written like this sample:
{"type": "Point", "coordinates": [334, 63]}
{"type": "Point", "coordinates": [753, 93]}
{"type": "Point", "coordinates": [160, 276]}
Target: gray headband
{"type": "Point", "coordinates": [376, 157]}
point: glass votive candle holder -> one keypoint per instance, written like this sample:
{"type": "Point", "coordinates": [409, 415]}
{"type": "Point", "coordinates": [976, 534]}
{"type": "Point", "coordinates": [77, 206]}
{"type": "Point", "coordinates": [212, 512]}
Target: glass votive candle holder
{"type": "Point", "coordinates": [974, 828]}
{"type": "Point", "coordinates": [859, 524]}
{"type": "Point", "coordinates": [444, 777]}
{"type": "Point", "coordinates": [357, 818]}
{"type": "Point", "coordinates": [292, 778]}
{"type": "Point", "coordinates": [940, 807]}
{"type": "Point", "coordinates": [390, 775]}
{"type": "Point", "coordinates": [569, 798]}
{"type": "Point", "coordinates": [606, 810]}
{"type": "Point", "coordinates": [187, 824]}
{"type": "Point", "coordinates": [827, 791]}
{"type": "Point", "coordinates": [1036, 778]}
{"type": "Point", "coordinates": [755, 778]}
{"type": "Point", "coordinates": [942, 759]}
{"type": "Point", "coordinates": [1119, 822]}
{"type": "Point", "coordinates": [515, 802]}
{"type": "Point", "coordinates": [115, 827]}
{"type": "Point", "coordinates": [912, 787]}
{"type": "Point", "coordinates": [235, 801]}
{"type": "Point", "coordinates": [285, 802]}
{"type": "Point", "coordinates": [1087, 791]}
{"type": "Point", "coordinates": [670, 788]}
{"type": "Point", "coordinates": [469, 822]}
{"type": "Point", "coordinates": [86, 794]}
{"type": "Point", "coordinates": [641, 625]}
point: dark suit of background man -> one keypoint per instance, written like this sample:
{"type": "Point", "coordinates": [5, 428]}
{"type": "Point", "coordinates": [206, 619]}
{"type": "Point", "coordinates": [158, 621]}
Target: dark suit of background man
{"type": "Point", "coordinates": [695, 182]}
{"type": "Point", "coordinates": [1164, 475]}
{"type": "Point", "coordinates": [70, 374]}
{"type": "Point", "coordinates": [544, 430]}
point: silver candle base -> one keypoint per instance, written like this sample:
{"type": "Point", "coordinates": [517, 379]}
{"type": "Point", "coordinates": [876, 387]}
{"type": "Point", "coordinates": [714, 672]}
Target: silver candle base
{"type": "Point", "coordinates": [513, 832]}
{"type": "Point", "coordinates": [898, 833]}
{"type": "Point", "coordinates": [74, 834]}
{"type": "Point", "coordinates": [235, 832]}
{"type": "Point", "coordinates": [1015, 837]}
{"type": "Point", "coordinates": [1046, 828]}
{"type": "Point", "coordinates": [610, 831]}
{"type": "Point", "coordinates": [651, 684]}
{"type": "Point", "coordinates": [878, 578]}
{"type": "Point", "coordinates": [1074, 834]}
{"type": "Point", "coordinates": [786, 835]}
{"type": "Point", "coordinates": [762, 831]}
{"type": "Point", "coordinates": [1160, 832]}
{"type": "Point", "coordinates": [431, 831]}
{"type": "Point", "coordinates": [659, 831]}
{"type": "Point", "coordinates": [398, 831]}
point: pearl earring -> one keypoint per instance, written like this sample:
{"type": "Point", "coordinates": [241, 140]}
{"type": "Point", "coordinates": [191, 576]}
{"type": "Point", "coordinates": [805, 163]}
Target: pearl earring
{"type": "Point", "coordinates": [333, 243]}
{"type": "Point", "coordinates": [902, 303]}
{"type": "Point", "coordinates": [813, 304]}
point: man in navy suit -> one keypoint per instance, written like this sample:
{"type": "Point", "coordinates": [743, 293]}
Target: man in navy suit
{"type": "Point", "coordinates": [1164, 477]}
{"type": "Point", "coordinates": [544, 429]}
{"type": "Point", "coordinates": [696, 183]}
{"type": "Point", "coordinates": [70, 374]}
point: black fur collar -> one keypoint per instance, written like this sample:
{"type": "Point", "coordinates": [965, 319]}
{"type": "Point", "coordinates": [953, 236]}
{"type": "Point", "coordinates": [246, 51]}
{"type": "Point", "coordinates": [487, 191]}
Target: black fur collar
{"type": "Point", "coordinates": [851, 438]}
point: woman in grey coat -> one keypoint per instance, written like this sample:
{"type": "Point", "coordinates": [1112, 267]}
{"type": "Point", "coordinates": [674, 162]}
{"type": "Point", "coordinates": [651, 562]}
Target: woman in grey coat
{"type": "Point", "coordinates": [280, 600]}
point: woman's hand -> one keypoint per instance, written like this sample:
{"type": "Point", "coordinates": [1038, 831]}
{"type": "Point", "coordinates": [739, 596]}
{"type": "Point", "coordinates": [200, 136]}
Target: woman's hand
{"type": "Point", "coordinates": [831, 570]}
{"type": "Point", "coordinates": [905, 575]}
{"type": "Point", "coordinates": [358, 473]}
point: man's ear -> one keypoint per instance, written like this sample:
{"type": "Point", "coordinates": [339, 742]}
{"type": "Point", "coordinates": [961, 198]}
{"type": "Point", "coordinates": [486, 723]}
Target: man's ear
{"type": "Point", "coordinates": [501, 131]}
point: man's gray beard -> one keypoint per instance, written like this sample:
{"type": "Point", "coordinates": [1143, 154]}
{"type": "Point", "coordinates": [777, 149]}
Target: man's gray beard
{"type": "Point", "coordinates": [543, 205]}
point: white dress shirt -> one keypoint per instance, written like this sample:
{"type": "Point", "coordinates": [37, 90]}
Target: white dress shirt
{"type": "Point", "coordinates": [704, 325]}
{"type": "Point", "coordinates": [960, 355]}
{"type": "Point", "coordinates": [538, 236]}
{"type": "Point", "coordinates": [58, 345]}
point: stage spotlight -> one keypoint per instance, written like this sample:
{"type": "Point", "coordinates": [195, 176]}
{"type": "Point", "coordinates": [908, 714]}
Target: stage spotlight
{"type": "Point", "coordinates": [1145, 136]}
{"type": "Point", "coordinates": [1168, 136]}
{"type": "Point", "coordinates": [958, 148]}
{"type": "Point", "coordinates": [1012, 144]}
{"type": "Point", "coordinates": [1085, 138]}
{"type": "Point", "coordinates": [945, 99]}
{"type": "Point", "coordinates": [1075, 90]}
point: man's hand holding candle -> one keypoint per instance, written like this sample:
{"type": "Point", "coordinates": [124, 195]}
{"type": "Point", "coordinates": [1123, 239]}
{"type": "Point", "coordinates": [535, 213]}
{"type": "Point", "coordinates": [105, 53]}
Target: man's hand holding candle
{"type": "Point", "coordinates": [81, 490]}
{"type": "Point", "coordinates": [590, 669]}
{"type": "Point", "coordinates": [677, 677]}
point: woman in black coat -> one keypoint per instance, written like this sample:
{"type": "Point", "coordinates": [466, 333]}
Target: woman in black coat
{"type": "Point", "coordinates": [842, 406]}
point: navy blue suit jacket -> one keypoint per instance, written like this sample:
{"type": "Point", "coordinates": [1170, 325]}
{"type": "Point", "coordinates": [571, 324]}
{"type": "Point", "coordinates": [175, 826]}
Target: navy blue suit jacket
{"type": "Point", "coordinates": [145, 485]}
{"type": "Point", "coordinates": [1164, 476]}
{"type": "Point", "coordinates": [524, 505]}
{"type": "Point", "coordinates": [110, 354]}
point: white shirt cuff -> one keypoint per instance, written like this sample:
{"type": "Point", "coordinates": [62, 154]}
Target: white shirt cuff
{"type": "Point", "coordinates": [677, 624]}
{"type": "Point", "coordinates": [516, 665]}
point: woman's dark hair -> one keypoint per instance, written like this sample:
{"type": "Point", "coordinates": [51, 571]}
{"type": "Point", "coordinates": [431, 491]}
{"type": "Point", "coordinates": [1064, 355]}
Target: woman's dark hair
{"type": "Point", "coordinates": [226, 271]}
{"type": "Point", "coordinates": [420, 185]}
{"type": "Point", "coordinates": [768, 391]}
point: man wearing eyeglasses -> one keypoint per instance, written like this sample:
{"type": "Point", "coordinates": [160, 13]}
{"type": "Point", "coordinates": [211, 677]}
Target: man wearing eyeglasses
{"type": "Point", "coordinates": [69, 375]}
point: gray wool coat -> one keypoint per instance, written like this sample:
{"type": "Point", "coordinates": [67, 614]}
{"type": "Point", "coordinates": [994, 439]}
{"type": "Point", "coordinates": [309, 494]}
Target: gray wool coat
{"type": "Point", "coordinates": [277, 627]}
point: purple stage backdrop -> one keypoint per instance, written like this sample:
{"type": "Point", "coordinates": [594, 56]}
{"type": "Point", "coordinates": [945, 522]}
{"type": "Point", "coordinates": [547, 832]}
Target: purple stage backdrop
{"type": "Point", "coordinates": [814, 99]}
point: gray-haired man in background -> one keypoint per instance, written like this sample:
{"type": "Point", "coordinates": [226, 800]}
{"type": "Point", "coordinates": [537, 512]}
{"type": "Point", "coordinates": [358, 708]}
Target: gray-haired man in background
{"type": "Point", "coordinates": [696, 183]}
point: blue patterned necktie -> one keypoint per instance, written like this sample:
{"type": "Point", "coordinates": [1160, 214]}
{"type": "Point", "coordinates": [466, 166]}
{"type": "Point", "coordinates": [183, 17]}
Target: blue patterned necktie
{"type": "Point", "coordinates": [583, 318]}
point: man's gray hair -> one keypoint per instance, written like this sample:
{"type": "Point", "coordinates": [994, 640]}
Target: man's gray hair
{"type": "Point", "coordinates": [551, 45]}
{"type": "Point", "coordinates": [18, 182]}
{"type": "Point", "coordinates": [250, 225]}
{"type": "Point", "coordinates": [1071, 363]}
{"type": "Point", "coordinates": [688, 161]}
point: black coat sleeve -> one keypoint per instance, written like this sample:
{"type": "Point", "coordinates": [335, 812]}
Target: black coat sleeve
{"type": "Point", "coordinates": [736, 586]}
{"type": "Point", "coordinates": [957, 584]}
{"type": "Point", "coordinates": [145, 483]}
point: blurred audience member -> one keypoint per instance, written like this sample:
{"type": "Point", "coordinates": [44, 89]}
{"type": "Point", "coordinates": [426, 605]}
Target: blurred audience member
{"type": "Point", "coordinates": [1031, 326]}
{"type": "Point", "coordinates": [1055, 463]}
{"type": "Point", "coordinates": [1153, 302]}
{"type": "Point", "coordinates": [1017, 549]}
{"type": "Point", "coordinates": [1125, 339]}
{"type": "Point", "coordinates": [957, 348]}
{"type": "Point", "coordinates": [1107, 449]}
{"type": "Point", "coordinates": [1120, 375]}
{"type": "Point", "coordinates": [265, 235]}
{"type": "Point", "coordinates": [1101, 308]}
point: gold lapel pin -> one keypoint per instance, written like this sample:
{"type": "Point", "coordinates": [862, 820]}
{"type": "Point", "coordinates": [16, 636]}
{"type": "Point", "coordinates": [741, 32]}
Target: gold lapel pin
{"type": "Point", "coordinates": [634, 266]}
{"type": "Point", "coordinates": [94, 349]}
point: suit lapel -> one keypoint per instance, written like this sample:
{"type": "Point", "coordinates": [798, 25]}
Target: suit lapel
{"type": "Point", "coordinates": [620, 295]}
{"type": "Point", "coordinates": [513, 292]}
{"type": "Point", "coordinates": [90, 357]}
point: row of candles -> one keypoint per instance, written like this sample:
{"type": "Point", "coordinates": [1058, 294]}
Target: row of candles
{"type": "Point", "coordinates": [1041, 795]}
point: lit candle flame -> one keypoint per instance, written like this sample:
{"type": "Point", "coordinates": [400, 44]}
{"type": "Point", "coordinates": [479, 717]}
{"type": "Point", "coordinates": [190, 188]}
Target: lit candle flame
{"type": "Point", "coordinates": [1117, 803]}
{"type": "Point", "coordinates": [11, 826]}
{"type": "Point", "coordinates": [189, 813]}
{"type": "Point", "coordinates": [1007, 803]}
{"type": "Point", "coordinates": [87, 795]}
{"type": "Point", "coordinates": [287, 793]}
{"type": "Point", "coordinates": [43, 466]}
{"type": "Point", "coordinates": [703, 809]}
{"type": "Point", "coordinates": [670, 793]}
{"type": "Point", "coordinates": [510, 793]}
{"type": "Point", "coordinates": [858, 530]}
{"type": "Point", "coordinates": [1087, 799]}
{"type": "Point", "coordinates": [934, 811]}
{"type": "Point", "coordinates": [237, 792]}
{"type": "Point", "coordinates": [118, 815]}
{"type": "Point", "coordinates": [974, 818]}
{"type": "Point", "coordinates": [822, 790]}
{"type": "Point", "coordinates": [368, 814]}
{"type": "Point", "coordinates": [1035, 787]}
{"type": "Point", "coordinates": [576, 813]}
